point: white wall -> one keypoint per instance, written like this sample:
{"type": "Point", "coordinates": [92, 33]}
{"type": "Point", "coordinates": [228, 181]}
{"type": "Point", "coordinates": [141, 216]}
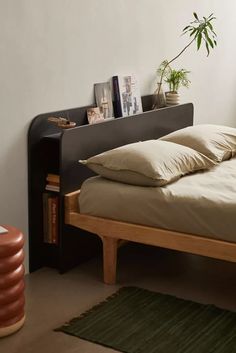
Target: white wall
{"type": "Point", "coordinates": [53, 51]}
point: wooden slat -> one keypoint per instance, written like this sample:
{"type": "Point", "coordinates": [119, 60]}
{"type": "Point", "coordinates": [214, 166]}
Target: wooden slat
{"type": "Point", "coordinates": [194, 244]}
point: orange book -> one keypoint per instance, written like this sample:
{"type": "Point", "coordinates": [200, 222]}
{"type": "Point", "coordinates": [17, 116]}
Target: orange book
{"type": "Point", "coordinates": [53, 177]}
{"type": "Point", "coordinates": [53, 183]}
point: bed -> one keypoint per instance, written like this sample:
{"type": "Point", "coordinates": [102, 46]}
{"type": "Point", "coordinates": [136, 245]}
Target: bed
{"type": "Point", "coordinates": [206, 230]}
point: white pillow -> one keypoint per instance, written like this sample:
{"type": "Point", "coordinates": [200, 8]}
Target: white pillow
{"type": "Point", "coordinates": [148, 163]}
{"type": "Point", "coordinates": [217, 142]}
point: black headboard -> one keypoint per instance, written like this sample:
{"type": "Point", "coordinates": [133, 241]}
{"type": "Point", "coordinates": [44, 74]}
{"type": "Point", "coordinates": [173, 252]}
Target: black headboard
{"type": "Point", "coordinates": [57, 151]}
{"type": "Point", "coordinates": [88, 140]}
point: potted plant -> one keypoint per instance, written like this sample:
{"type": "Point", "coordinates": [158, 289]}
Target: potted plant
{"type": "Point", "coordinates": [175, 79]}
{"type": "Point", "coordinates": [200, 31]}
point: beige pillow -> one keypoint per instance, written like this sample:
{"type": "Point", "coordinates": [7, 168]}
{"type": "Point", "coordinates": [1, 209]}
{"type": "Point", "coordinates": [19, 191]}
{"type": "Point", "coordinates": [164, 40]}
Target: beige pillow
{"type": "Point", "coordinates": [214, 141]}
{"type": "Point", "coordinates": [148, 163]}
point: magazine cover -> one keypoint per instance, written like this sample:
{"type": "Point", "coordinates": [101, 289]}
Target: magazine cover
{"type": "Point", "coordinates": [127, 95]}
{"type": "Point", "coordinates": [103, 99]}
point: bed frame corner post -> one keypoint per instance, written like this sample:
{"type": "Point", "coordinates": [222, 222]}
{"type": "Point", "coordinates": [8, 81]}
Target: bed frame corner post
{"type": "Point", "coordinates": [110, 246]}
{"type": "Point", "coordinates": [71, 205]}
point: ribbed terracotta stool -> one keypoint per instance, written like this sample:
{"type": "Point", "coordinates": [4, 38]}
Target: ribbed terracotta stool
{"type": "Point", "coordinates": [12, 300]}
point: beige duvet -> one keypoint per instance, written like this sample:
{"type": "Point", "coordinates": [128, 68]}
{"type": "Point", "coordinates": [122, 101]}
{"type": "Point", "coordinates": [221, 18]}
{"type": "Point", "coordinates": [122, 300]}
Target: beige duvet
{"type": "Point", "coordinates": [203, 203]}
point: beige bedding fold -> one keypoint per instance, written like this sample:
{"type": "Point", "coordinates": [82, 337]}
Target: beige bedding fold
{"type": "Point", "coordinates": [203, 203]}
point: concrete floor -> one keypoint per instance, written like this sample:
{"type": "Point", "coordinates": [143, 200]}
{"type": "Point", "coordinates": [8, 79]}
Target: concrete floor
{"type": "Point", "coordinates": [52, 299]}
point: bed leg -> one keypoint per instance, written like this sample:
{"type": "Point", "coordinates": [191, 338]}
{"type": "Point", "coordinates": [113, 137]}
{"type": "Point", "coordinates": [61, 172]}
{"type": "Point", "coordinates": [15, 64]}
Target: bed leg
{"type": "Point", "coordinates": [109, 259]}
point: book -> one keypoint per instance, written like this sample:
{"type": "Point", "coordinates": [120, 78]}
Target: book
{"type": "Point", "coordinates": [53, 178]}
{"type": "Point", "coordinates": [45, 217]}
{"type": "Point", "coordinates": [94, 115]}
{"type": "Point", "coordinates": [54, 220]}
{"type": "Point", "coordinates": [54, 188]}
{"type": "Point", "coordinates": [116, 94]}
{"type": "Point", "coordinates": [103, 98]}
{"type": "Point", "coordinates": [53, 182]}
{"type": "Point", "coordinates": [126, 95]}
{"type": "Point", "coordinates": [50, 218]}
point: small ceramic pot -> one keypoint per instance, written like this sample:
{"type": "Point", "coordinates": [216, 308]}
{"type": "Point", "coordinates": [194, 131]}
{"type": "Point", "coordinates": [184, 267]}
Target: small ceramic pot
{"type": "Point", "coordinates": [172, 98]}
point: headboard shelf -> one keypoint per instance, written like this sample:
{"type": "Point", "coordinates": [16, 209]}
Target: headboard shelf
{"type": "Point", "coordinates": [56, 151]}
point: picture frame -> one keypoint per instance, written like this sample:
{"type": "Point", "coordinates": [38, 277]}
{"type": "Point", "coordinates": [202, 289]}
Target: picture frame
{"type": "Point", "coordinates": [103, 98]}
{"type": "Point", "coordinates": [94, 115]}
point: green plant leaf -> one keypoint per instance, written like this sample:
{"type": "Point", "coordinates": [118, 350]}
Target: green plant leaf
{"type": "Point", "coordinates": [210, 25]}
{"type": "Point", "coordinates": [176, 78]}
{"type": "Point", "coordinates": [210, 42]}
{"type": "Point", "coordinates": [191, 28]}
{"type": "Point", "coordinates": [214, 32]}
{"type": "Point", "coordinates": [193, 31]}
{"type": "Point", "coordinates": [199, 40]}
{"type": "Point", "coordinates": [208, 39]}
{"type": "Point", "coordinates": [199, 30]}
{"type": "Point", "coordinates": [186, 28]}
{"type": "Point", "coordinates": [207, 48]}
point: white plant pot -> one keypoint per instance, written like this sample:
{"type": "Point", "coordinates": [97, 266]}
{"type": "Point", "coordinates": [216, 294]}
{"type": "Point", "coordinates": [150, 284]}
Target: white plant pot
{"type": "Point", "coordinates": [172, 98]}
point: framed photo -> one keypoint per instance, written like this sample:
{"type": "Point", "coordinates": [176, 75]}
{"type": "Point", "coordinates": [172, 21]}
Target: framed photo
{"type": "Point", "coordinates": [103, 99]}
{"type": "Point", "coordinates": [94, 115]}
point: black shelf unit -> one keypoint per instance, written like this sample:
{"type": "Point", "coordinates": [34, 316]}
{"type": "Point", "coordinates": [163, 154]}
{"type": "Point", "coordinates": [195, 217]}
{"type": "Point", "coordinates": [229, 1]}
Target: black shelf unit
{"type": "Point", "coordinates": [52, 150]}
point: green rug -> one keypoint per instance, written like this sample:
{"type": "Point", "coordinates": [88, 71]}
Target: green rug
{"type": "Point", "coordinates": [136, 320]}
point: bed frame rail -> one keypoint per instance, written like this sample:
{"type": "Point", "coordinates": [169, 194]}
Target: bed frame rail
{"type": "Point", "coordinates": [111, 232]}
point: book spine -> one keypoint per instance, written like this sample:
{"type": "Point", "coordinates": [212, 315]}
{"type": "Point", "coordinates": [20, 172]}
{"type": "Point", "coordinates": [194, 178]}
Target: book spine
{"type": "Point", "coordinates": [53, 177]}
{"type": "Point", "coordinates": [54, 220]}
{"type": "Point", "coordinates": [53, 183]}
{"type": "Point", "coordinates": [116, 92]}
{"type": "Point", "coordinates": [54, 188]}
{"type": "Point", "coordinates": [50, 218]}
{"type": "Point", "coordinates": [45, 218]}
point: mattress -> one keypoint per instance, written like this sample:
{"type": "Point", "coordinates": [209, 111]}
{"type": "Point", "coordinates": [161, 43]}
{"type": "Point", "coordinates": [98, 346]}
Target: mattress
{"type": "Point", "coordinates": [202, 203]}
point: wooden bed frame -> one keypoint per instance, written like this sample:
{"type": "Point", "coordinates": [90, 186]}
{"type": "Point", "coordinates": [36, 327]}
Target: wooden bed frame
{"type": "Point", "coordinates": [112, 232]}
